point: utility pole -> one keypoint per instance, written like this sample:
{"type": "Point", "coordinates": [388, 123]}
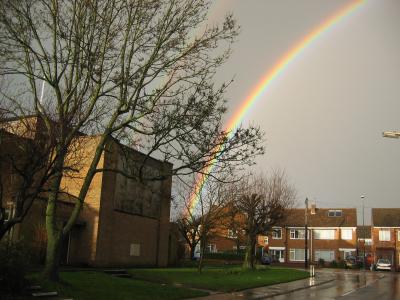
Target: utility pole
{"type": "Point", "coordinates": [363, 227]}
{"type": "Point", "coordinates": [306, 236]}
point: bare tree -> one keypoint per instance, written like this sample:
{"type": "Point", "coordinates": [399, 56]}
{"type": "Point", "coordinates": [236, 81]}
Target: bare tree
{"type": "Point", "coordinates": [262, 202]}
{"type": "Point", "coordinates": [133, 70]}
{"type": "Point", "coordinates": [200, 224]}
{"type": "Point", "coordinates": [25, 164]}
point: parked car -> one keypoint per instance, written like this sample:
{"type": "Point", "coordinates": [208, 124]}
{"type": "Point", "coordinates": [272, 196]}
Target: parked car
{"type": "Point", "coordinates": [266, 260]}
{"type": "Point", "coordinates": [383, 264]}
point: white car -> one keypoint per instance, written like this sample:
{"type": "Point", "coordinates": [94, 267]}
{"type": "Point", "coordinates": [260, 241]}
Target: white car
{"type": "Point", "coordinates": [383, 264]}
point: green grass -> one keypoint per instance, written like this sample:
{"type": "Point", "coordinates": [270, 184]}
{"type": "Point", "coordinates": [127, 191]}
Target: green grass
{"type": "Point", "coordinates": [225, 279]}
{"type": "Point", "coordinates": [97, 285]}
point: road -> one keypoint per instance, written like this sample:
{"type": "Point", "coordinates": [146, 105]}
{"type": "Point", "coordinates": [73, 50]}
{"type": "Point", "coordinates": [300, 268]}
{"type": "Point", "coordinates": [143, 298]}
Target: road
{"type": "Point", "coordinates": [352, 285]}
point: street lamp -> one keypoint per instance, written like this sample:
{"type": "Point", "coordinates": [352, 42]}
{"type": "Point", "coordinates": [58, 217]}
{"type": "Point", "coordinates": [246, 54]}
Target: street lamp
{"type": "Point", "coordinates": [306, 235]}
{"type": "Point", "coordinates": [391, 134]}
{"type": "Point", "coordinates": [363, 227]}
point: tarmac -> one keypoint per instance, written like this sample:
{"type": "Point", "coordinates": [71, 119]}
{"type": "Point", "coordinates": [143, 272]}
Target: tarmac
{"type": "Point", "coordinates": [272, 290]}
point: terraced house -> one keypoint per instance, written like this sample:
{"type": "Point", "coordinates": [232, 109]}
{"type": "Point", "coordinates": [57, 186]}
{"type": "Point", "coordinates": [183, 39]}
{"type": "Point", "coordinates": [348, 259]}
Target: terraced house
{"type": "Point", "coordinates": [331, 235]}
{"type": "Point", "coordinates": [385, 233]}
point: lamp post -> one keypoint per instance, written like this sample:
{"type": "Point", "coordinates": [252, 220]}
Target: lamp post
{"type": "Point", "coordinates": [363, 227]}
{"type": "Point", "coordinates": [306, 236]}
{"type": "Point", "coordinates": [391, 134]}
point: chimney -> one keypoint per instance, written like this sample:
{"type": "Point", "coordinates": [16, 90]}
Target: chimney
{"type": "Point", "coordinates": [313, 207]}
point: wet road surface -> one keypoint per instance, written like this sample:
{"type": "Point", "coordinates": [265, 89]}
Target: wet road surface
{"type": "Point", "coordinates": [352, 285]}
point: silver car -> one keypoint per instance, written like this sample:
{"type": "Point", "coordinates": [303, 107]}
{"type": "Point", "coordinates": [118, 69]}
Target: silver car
{"type": "Point", "coordinates": [383, 264]}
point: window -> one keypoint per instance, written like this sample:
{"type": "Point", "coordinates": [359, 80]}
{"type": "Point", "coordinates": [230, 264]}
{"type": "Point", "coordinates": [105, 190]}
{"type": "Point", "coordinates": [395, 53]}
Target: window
{"type": "Point", "coordinates": [398, 235]}
{"type": "Point", "coordinates": [265, 240]}
{"type": "Point", "coordinates": [334, 213]}
{"type": "Point", "coordinates": [324, 234]}
{"type": "Point", "coordinates": [347, 234]}
{"type": "Point", "coordinates": [212, 248]}
{"type": "Point", "coordinates": [7, 214]}
{"type": "Point", "coordinates": [296, 254]}
{"type": "Point", "coordinates": [297, 234]}
{"type": "Point", "coordinates": [277, 233]}
{"type": "Point", "coordinates": [231, 234]}
{"type": "Point", "coordinates": [384, 234]}
{"type": "Point", "coordinates": [326, 255]}
{"type": "Point", "coordinates": [368, 242]}
{"type": "Point", "coordinates": [135, 250]}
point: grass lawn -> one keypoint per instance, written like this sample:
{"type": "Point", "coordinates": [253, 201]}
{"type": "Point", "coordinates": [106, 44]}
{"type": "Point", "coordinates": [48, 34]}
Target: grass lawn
{"type": "Point", "coordinates": [225, 279]}
{"type": "Point", "coordinates": [97, 285]}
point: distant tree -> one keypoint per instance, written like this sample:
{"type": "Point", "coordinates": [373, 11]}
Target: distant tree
{"type": "Point", "coordinates": [133, 70]}
{"type": "Point", "coordinates": [262, 201]}
{"type": "Point", "coordinates": [199, 223]}
{"type": "Point", "coordinates": [188, 226]}
{"type": "Point", "coordinates": [233, 224]}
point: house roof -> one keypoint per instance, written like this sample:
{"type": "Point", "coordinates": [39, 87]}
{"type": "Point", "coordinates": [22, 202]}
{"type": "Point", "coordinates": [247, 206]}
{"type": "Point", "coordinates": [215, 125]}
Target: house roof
{"type": "Point", "coordinates": [364, 232]}
{"type": "Point", "coordinates": [386, 217]}
{"type": "Point", "coordinates": [295, 217]}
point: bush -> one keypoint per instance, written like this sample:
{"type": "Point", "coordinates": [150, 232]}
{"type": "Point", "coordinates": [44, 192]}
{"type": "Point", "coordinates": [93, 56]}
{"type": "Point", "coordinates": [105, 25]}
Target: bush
{"type": "Point", "coordinates": [321, 262]}
{"type": "Point", "coordinates": [342, 264]}
{"type": "Point", "coordinates": [333, 264]}
{"type": "Point", "coordinates": [14, 261]}
{"type": "Point", "coordinates": [225, 255]}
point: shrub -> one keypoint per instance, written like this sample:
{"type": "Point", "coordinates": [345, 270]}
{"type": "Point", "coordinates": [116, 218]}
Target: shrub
{"type": "Point", "coordinates": [14, 261]}
{"type": "Point", "coordinates": [225, 255]}
{"type": "Point", "coordinates": [342, 264]}
{"type": "Point", "coordinates": [333, 264]}
{"type": "Point", "coordinates": [321, 262]}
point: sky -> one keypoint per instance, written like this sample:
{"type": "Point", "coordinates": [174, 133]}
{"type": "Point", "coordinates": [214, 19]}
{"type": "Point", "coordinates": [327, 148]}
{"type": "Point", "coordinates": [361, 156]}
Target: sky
{"type": "Point", "coordinates": [324, 116]}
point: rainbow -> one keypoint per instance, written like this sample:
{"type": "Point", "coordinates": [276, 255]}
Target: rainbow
{"type": "Point", "coordinates": [263, 85]}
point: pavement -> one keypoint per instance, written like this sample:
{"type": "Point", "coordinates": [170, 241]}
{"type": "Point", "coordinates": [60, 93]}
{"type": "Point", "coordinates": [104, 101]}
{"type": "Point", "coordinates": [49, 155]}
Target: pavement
{"type": "Point", "coordinates": [273, 290]}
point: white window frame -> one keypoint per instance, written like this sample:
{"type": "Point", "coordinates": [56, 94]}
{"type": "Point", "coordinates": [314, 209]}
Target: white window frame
{"type": "Point", "coordinates": [331, 254]}
{"type": "Point", "coordinates": [344, 234]}
{"type": "Point", "coordinates": [274, 231]}
{"type": "Point", "coordinates": [295, 258]}
{"type": "Point", "coordinates": [316, 237]}
{"type": "Point", "coordinates": [293, 234]}
{"type": "Point", "coordinates": [335, 213]}
{"type": "Point", "coordinates": [265, 240]}
{"type": "Point", "coordinates": [382, 235]}
{"type": "Point", "coordinates": [231, 234]}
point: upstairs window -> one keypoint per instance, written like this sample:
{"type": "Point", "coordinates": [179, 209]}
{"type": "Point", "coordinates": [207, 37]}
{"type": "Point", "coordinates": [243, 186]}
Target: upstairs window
{"type": "Point", "coordinates": [334, 213]}
{"type": "Point", "coordinates": [324, 234]}
{"type": "Point", "coordinates": [277, 233]}
{"type": "Point", "coordinates": [297, 234]}
{"type": "Point", "coordinates": [384, 235]}
{"type": "Point", "coordinates": [347, 234]}
{"type": "Point", "coordinates": [232, 234]}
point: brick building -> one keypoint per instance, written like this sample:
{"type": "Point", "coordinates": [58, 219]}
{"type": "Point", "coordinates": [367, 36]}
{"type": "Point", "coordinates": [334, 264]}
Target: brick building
{"type": "Point", "coordinates": [123, 221]}
{"type": "Point", "coordinates": [331, 235]}
{"type": "Point", "coordinates": [386, 234]}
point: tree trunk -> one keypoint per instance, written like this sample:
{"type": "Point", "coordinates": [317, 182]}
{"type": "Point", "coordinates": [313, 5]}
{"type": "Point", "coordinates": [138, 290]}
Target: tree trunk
{"type": "Point", "coordinates": [54, 234]}
{"type": "Point", "coordinates": [202, 252]}
{"type": "Point", "coordinates": [53, 253]}
{"type": "Point", "coordinates": [249, 255]}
